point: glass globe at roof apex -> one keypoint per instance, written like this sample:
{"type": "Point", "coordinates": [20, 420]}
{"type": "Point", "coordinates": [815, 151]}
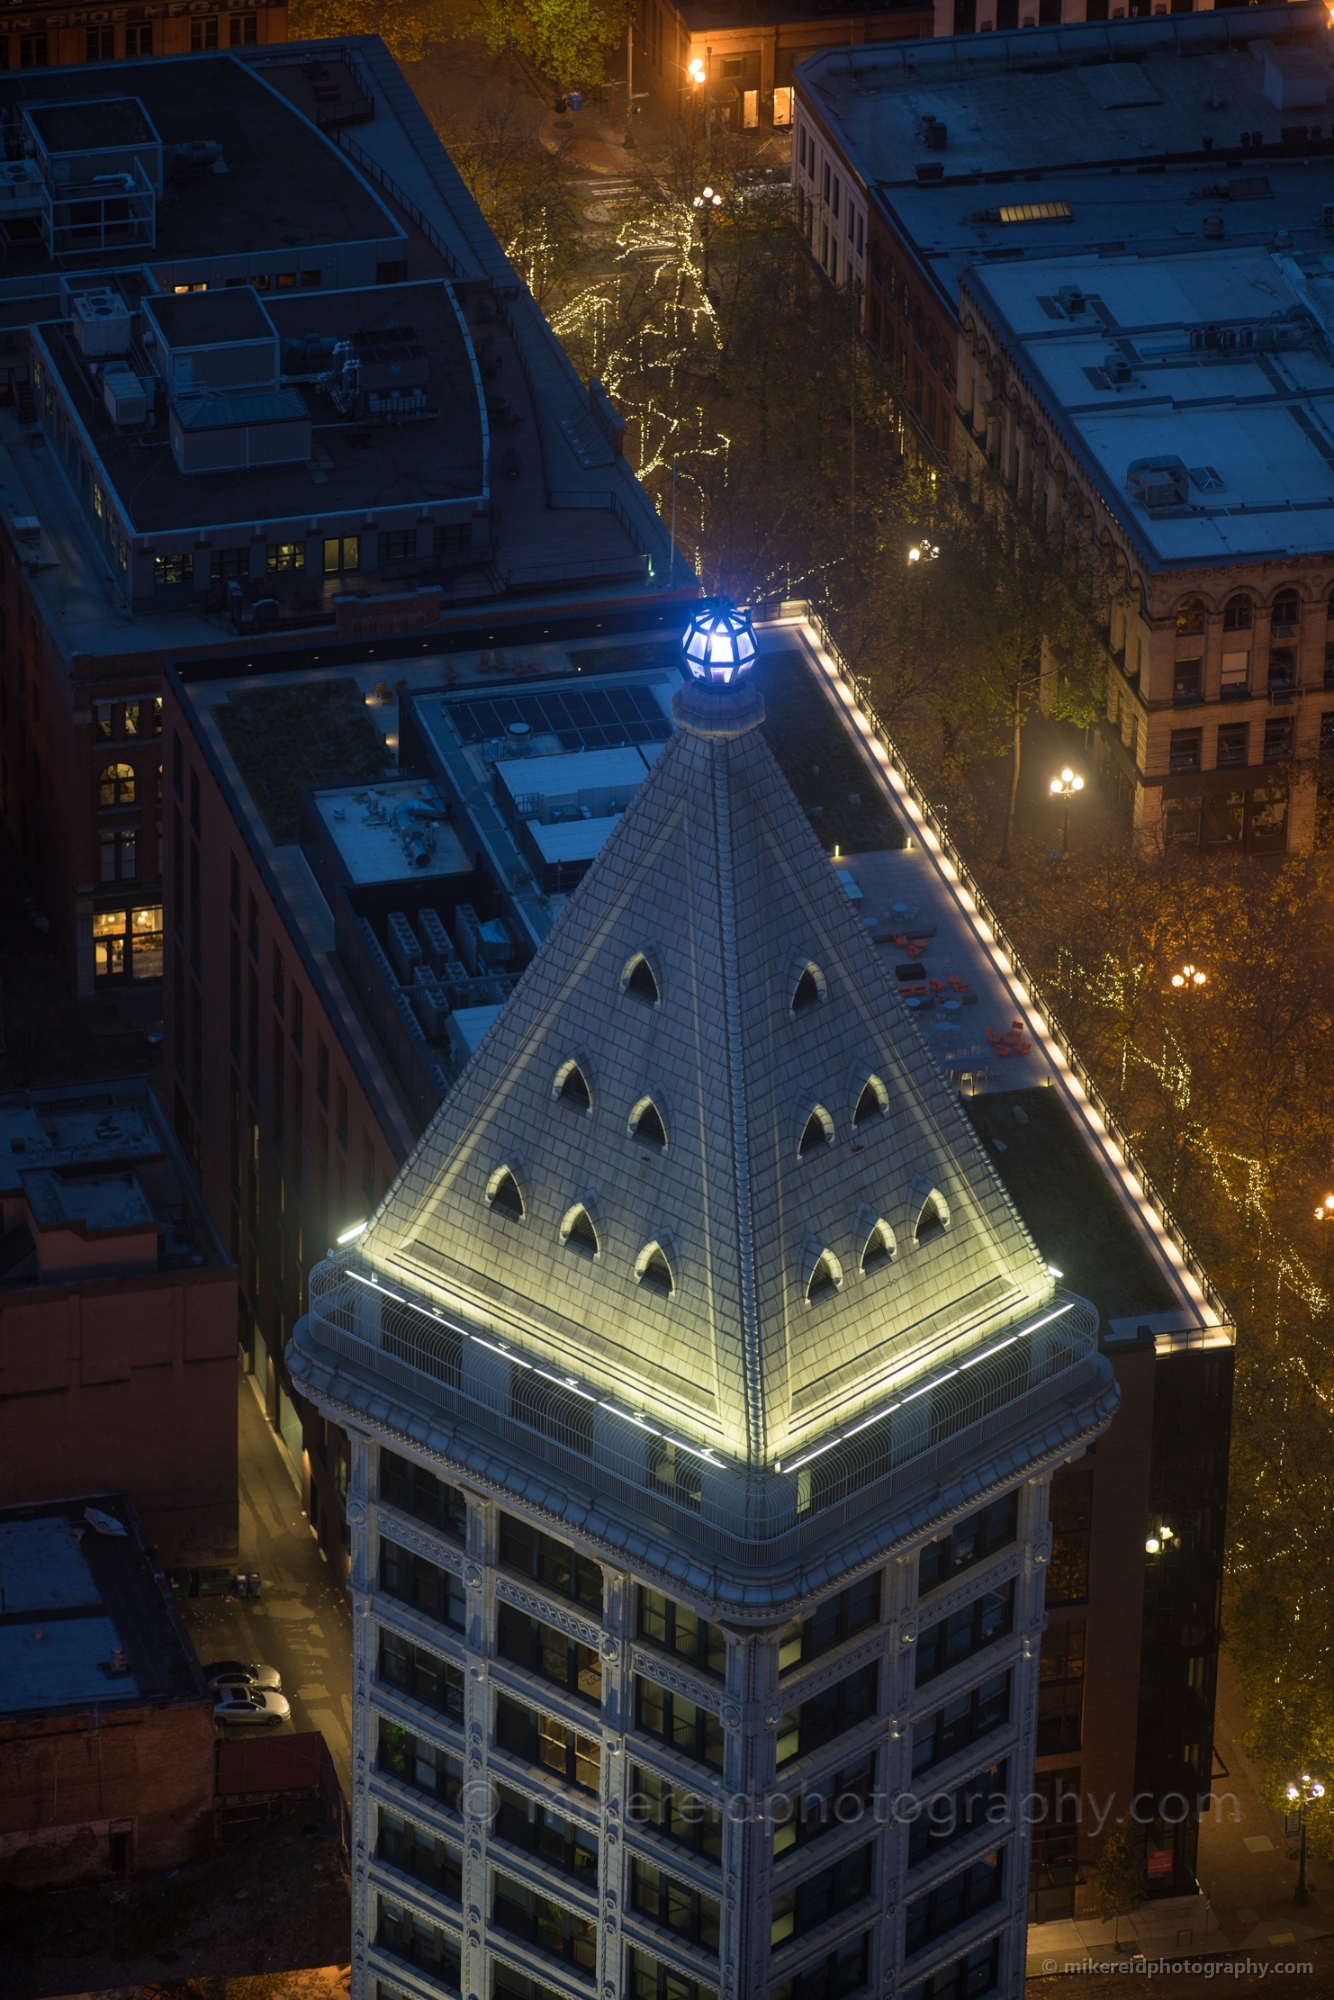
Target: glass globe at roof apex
{"type": "Point", "coordinates": [718, 645]}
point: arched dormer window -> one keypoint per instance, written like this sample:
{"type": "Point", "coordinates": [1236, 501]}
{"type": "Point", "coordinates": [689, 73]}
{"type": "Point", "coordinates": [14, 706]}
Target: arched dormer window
{"type": "Point", "coordinates": [502, 1193]}
{"type": "Point", "coordinates": [809, 990]}
{"type": "Point", "coordinates": [818, 1131]}
{"type": "Point", "coordinates": [1286, 609]}
{"type": "Point", "coordinates": [578, 1234]}
{"type": "Point", "coordinates": [825, 1279]}
{"type": "Point", "coordinates": [639, 982]}
{"type": "Point", "coordinates": [653, 1270]}
{"type": "Point", "coordinates": [933, 1218]}
{"type": "Point", "coordinates": [872, 1103]}
{"type": "Point", "coordinates": [571, 1087]}
{"type": "Point", "coordinates": [646, 1123]}
{"type": "Point", "coordinates": [1190, 617]}
{"type": "Point", "coordinates": [879, 1249]}
{"type": "Point", "coordinates": [1237, 613]}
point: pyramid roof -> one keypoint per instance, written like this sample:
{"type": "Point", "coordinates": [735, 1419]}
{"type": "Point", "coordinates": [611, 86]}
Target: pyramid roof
{"type": "Point", "coordinates": [772, 1333]}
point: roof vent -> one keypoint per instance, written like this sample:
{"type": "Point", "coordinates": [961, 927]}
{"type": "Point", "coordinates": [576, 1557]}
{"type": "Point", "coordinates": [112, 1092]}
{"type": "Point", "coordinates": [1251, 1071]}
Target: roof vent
{"type": "Point", "coordinates": [930, 170]}
{"type": "Point", "coordinates": [1158, 482]}
{"type": "Point", "coordinates": [1070, 299]}
{"type": "Point", "coordinates": [101, 322]}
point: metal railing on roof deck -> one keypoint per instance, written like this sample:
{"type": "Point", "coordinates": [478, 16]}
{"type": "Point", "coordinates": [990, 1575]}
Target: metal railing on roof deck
{"type": "Point", "coordinates": [967, 881]}
{"type": "Point", "coordinates": [922, 1430]}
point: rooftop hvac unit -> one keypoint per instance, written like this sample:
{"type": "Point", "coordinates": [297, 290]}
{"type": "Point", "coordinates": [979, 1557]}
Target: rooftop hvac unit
{"type": "Point", "coordinates": [101, 322]}
{"type": "Point", "coordinates": [1158, 482]}
{"type": "Point", "coordinates": [123, 393]}
{"type": "Point", "coordinates": [20, 189]}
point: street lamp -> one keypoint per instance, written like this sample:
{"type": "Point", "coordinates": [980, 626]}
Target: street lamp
{"type": "Point", "coordinates": [923, 551]}
{"type": "Point", "coordinates": [1064, 789]}
{"type": "Point", "coordinates": [706, 205]}
{"type": "Point", "coordinates": [1299, 1796]}
{"type": "Point", "coordinates": [695, 69]}
{"type": "Point", "coordinates": [1191, 978]}
{"type": "Point", "coordinates": [1325, 1212]}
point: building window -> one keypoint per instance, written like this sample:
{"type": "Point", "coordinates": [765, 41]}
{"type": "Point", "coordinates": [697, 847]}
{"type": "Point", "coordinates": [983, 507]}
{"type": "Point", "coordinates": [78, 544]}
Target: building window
{"type": "Point", "coordinates": [965, 1632]}
{"type": "Point", "coordinates": [1190, 617]}
{"type": "Point", "coordinates": [1278, 741]}
{"type": "Point", "coordinates": [1053, 1868]}
{"type": "Point", "coordinates": [119, 852]}
{"type": "Point", "coordinates": [542, 1740]}
{"type": "Point", "coordinates": [675, 1813]}
{"type": "Point", "coordinates": [683, 1631]}
{"type": "Point", "coordinates": [1282, 675]}
{"type": "Point", "coordinates": [115, 785]}
{"type": "Point", "coordinates": [837, 1619]}
{"type": "Point", "coordinates": [827, 1715]}
{"type": "Point", "coordinates": [550, 1562]}
{"type": "Point", "coordinates": [971, 1542]}
{"type": "Point", "coordinates": [843, 1972]}
{"type": "Point", "coordinates": [342, 555]}
{"type": "Point", "coordinates": [309, 279]}
{"type": "Point", "coordinates": [1188, 682]}
{"type": "Point", "coordinates": [243, 31]}
{"type": "Point", "coordinates": [1232, 745]}
{"type": "Point", "coordinates": [425, 1766]}
{"type": "Point", "coordinates": [204, 32]}
{"type": "Point", "coordinates": [547, 1652]}
{"type": "Point", "coordinates": [100, 44]}
{"type": "Point", "coordinates": [230, 565]}
{"type": "Point", "coordinates": [422, 1584]}
{"type": "Point", "coordinates": [1184, 750]}
{"type": "Point", "coordinates": [401, 1931]}
{"type": "Point", "coordinates": [282, 557]}
{"type": "Point", "coordinates": [684, 1725]}
{"type": "Point", "coordinates": [646, 1979]}
{"type": "Point", "coordinates": [454, 539]}
{"type": "Point", "coordinates": [398, 545]}
{"type": "Point", "coordinates": [537, 1829]}
{"type": "Point", "coordinates": [1071, 1510]}
{"type": "Point", "coordinates": [821, 1896]}
{"type": "Point", "coordinates": [146, 941]}
{"type": "Point", "coordinates": [783, 96]}
{"type": "Point", "coordinates": [950, 1816]}
{"type": "Point", "coordinates": [978, 1972]}
{"type": "Point", "coordinates": [830, 1802]}
{"type": "Point", "coordinates": [1237, 613]}
{"type": "Point", "coordinates": [139, 39]}
{"type": "Point", "coordinates": [544, 1923]}
{"type": "Point", "coordinates": [423, 1855]}
{"type": "Point", "coordinates": [1286, 612]}
{"type": "Point", "coordinates": [1061, 1688]}
{"type": "Point", "coordinates": [952, 1902]}
{"type": "Point", "coordinates": [414, 1490]}
{"type": "Point", "coordinates": [667, 1901]}
{"type": "Point", "coordinates": [421, 1674]}
{"type": "Point", "coordinates": [108, 943]}
{"type": "Point", "coordinates": [32, 52]}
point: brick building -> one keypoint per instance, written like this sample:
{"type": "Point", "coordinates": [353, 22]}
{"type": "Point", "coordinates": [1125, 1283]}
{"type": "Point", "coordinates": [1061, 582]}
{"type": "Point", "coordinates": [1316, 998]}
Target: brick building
{"type": "Point", "coordinates": [117, 1316]}
{"type": "Point", "coordinates": [237, 419]}
{"type": "Point", "coordinates": [48, 35]}
{"type": "Point", "coordinates": [106, 1726]}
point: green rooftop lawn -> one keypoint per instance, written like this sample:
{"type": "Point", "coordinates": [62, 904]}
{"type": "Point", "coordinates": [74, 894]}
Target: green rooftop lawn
{"type": "Point", "coordinates": [819, 759]}
{"type": "Point", "coordinates": [1062, 1195]}
{"type": "Point", "coordinates": [285, 737]}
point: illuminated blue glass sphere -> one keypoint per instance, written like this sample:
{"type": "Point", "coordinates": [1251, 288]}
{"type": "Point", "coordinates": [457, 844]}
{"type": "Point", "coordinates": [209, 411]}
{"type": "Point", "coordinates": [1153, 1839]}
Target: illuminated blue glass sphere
{"type": "Point", "coordinates": [719, 642]}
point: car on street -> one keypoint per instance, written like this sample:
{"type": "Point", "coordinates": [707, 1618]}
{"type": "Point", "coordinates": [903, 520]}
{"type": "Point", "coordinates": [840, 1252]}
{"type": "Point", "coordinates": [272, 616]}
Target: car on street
{"type": "Point", "coordinates": [242, 1673]}
{"type": "Point", "coordinates": [255, 1708]}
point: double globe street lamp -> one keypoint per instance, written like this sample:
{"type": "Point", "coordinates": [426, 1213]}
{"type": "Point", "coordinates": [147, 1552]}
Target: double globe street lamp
{"type": "Point", "coordinates": [1065, 788]}
{"type": "Point", "coordinates": [1301, 1794]}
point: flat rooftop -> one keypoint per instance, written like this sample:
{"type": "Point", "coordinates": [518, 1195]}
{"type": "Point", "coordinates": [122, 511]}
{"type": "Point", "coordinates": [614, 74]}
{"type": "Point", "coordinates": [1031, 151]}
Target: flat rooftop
{"type": "Point", "coordinates": [74, 1593]}
{"type": "Point", "coordinates": [360, 465]}
{"type": "Point", "coordinates": [1101, 138]}
{"type": "Point", "coordinates": [203, 215]}
{"type": "Point", "coordinates": [1213, 365]}
{"type": "Point", "coordinates": [385, 832]}
{"type": "Point", "coordinates": [98, 1159]}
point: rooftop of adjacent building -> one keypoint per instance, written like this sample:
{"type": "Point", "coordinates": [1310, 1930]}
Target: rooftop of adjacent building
{"type": "Point", "coordinates": [1039, 99]}
{"type": "Point", "coordinates": [1197, 386]}
{"type": "Point", "coordinates": [93, 1186]}
{"type": "Point", "coordinates": [85, 1614]}
{"type": "Point", "coordinates": [376, 236]}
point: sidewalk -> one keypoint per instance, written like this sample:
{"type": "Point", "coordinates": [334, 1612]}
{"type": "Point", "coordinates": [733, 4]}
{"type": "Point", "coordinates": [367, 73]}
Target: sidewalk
{"type": "Point", "coordinates": [302, 1624]}
{"type": "Point", "coordinates": [1165, 1929]}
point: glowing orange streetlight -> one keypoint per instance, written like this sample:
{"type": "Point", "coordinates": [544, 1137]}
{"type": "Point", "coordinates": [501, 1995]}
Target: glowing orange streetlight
{"type": "Point", "coordinates": [1190, 977]}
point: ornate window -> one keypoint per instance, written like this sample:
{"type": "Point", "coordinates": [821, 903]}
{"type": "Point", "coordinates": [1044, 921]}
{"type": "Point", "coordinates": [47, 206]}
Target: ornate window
{"type": "Point", "coordinates": [653, 1270]}
{"type": "Point", "coordinates": [646, 1123]}
{"type": "Point", "coordinates": [115, 786]}
{"type": "Point", "coordinates": [825, 1279]}
{"type": "Point", "coordinates": [872, 1103]}
{"type": "Point", "coordinates": [502, 1192]}
{"type": "Point", "coordinates": [571, 1086]}
{"type": "Point", "coordinates": [817, 1132]}
{"type": "Point", "coordinates": [638, 981]}
{"type": "Point", "coordinates": [578, 1234]}
{"type": "Point", "coordinates": [880, 1248]}
{"type": "Point", "coordinates": [810, 989]}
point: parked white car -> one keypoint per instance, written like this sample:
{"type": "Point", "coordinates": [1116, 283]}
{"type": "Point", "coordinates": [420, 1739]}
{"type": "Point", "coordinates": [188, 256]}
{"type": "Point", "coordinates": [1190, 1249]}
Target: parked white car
{"type": "Point", "coordinates": [259, 1708]}
{"type": "Point", "coordinates": [240, 1673]}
